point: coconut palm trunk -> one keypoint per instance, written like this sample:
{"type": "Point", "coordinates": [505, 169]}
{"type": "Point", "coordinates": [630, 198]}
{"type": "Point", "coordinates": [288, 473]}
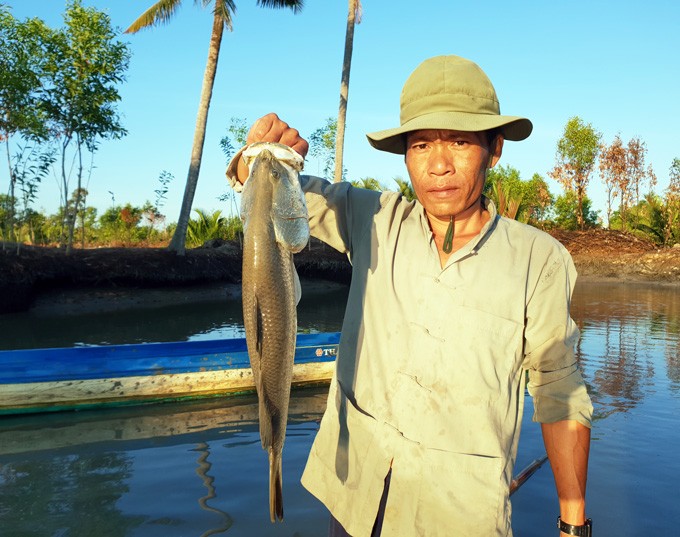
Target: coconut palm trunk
{"type": "Point", "coordinates": [354, 6]}
{"type": "Point", "coordinates": [162, 11]}
{"type": "Point", "coordinates": [178, 242]}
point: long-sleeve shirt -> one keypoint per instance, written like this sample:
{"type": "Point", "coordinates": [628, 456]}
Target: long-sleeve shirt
{"type": "Point", "coordinates": [432, 365]}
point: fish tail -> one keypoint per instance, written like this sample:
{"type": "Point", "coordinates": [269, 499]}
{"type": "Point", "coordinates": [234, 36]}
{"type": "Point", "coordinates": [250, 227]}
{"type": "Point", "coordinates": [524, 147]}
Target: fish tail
{"type": "Point", "coordinates": [275, 486]}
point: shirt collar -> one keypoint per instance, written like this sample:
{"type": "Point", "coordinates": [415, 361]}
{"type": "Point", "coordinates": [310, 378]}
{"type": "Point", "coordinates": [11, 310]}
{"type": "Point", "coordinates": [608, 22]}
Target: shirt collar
{"type": "Point", "coordinates": [477, 242]}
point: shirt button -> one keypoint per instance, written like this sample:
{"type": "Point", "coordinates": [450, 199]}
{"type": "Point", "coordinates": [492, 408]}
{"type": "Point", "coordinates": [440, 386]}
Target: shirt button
{"type": "Point", "coordinates": [436, 280]}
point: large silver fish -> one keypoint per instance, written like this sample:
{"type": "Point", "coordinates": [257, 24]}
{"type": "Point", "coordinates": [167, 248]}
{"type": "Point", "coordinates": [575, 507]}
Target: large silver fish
{"type": "Point", "coordinates": [275, 226]}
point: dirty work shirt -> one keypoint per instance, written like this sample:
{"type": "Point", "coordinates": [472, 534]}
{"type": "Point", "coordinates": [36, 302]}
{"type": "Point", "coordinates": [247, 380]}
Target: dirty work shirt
{"type": "Point", "coordinates": [430, 372]}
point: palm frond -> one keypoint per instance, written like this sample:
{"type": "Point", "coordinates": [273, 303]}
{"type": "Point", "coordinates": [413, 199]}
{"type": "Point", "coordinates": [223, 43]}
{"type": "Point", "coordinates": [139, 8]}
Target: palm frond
{"type": "Point", "coordinates": [159, 13]}
{"type": "Point", "coordinates": [295, 5]}
{"type": "Point", "coordinates": [224, 9]}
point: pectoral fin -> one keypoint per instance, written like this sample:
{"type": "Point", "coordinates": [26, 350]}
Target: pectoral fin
{"type": "Point", "coordinates": [297, 286]}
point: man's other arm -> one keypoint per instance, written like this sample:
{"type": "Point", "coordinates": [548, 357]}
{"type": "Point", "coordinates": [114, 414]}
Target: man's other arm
{"type": "Point", "coordinates": [567, 443]}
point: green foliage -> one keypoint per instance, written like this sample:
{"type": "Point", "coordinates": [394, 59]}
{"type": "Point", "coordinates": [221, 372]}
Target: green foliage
{"type": "Point", "coordinates": [405, 188]}
{"type": "Point", "coordinates": [654, 218]}
{"type": "Point", "coordinates": [7, 210]}
{"type": "Point", "coordinates": [322, 147]}
{"type": "Point", "coordinates": [121, 225]}
{"type": "Point", "coordinates": [209, 226]}
{"type": "Point", "coordinates": [577, 152]}
{"type": "Point", "coordinates": [368, 183]}
{"type": "Point", "coordinates": [579, 146]}
{"type": "Point", "coordinates": [31, 164]}
{"type": "Point", "coordinates": [238, 129]}
{"type": "Point", "coordinates": [85, 63]}
{"type": "Point", "coordinates": [526, 201]}
{"type": "Point", "coordinates": [672, 203]}
{"type": "Point", "coordinates": [22, 61]}
{"type": "Point", "coordinates": [566, 208]}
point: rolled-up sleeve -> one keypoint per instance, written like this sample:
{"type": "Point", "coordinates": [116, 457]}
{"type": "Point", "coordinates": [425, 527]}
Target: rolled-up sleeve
{"type": "Point", "coordinates": [555, 381]}
{"type": "Point", "coordinates": [339, 212]}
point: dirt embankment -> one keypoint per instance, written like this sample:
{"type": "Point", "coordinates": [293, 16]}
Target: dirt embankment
{"type": "Point", "coordinates": [30, 272]}
{"type": "Point", "coordinates": [606, 254]}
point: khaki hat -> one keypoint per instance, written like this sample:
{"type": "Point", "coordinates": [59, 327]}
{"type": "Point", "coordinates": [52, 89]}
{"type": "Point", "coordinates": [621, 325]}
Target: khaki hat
{"type": "Point", "coordinates": [449, 92]}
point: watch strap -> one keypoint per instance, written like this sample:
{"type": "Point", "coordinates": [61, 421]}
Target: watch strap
{"type": "Point", "coordinates": [584, 530]}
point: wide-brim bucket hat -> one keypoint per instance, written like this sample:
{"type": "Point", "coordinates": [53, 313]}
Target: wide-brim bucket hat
{"type": "Point", "coordinates": [449, 92]}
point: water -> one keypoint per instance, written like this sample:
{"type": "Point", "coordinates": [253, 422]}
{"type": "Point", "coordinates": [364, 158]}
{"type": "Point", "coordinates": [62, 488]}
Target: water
{"type": "Point", "coordinates": [197, 469]}
{"type": "Point", "coordinates": [320, 310]}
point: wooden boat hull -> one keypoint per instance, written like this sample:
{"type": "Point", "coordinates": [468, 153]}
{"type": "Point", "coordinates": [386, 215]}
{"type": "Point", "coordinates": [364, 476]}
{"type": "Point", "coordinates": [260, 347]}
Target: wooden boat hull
{"type": "Point", "coordinates": [40, 380]}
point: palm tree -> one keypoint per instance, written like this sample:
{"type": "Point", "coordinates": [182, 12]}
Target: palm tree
{"type": "Point", "coordinates": [368, 183]}
{"type": "Point", "coordinates": [405, 188]}
{"type": "Point", "coordinates": [353, 17]}
{"type": "Point", "coordinates": [207, 226]}
{"type": "Point", "coordinates": [161, 12]}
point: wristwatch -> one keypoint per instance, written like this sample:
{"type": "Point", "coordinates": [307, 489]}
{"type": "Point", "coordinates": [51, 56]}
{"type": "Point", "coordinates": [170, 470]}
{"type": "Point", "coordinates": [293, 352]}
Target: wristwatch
{"type": "Point", "coordinates": [586, 530]}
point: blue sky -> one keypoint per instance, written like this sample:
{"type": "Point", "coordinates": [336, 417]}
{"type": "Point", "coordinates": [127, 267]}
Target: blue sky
{"type": "Point", "coordinates": [614, 64]}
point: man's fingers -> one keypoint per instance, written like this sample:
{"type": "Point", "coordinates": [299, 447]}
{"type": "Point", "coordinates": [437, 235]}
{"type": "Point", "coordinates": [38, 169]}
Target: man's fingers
{"type": "Point", "coordinates": [291, 137]}
{"type": "Point", "coordinates": [271, 128]}
{"type": "Point", "coordinates": [265, 129]}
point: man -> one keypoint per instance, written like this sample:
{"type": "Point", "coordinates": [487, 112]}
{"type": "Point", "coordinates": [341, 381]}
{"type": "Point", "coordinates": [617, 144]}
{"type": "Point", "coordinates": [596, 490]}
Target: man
{"type": "Point", "coordinates": [449, 306]}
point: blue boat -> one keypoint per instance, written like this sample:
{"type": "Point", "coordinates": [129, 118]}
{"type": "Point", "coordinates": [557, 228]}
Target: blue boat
{"type": "Point", "coordinates": [42, 380]}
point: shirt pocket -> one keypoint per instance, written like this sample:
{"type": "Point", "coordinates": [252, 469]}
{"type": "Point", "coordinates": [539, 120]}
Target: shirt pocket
{"type": "Point", "coordinates": [466, 499]}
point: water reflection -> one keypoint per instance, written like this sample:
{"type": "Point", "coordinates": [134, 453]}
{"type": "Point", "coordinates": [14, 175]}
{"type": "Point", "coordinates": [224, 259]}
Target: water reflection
{"type": "Point", "coordinates": [216, 318]}
{"type": "Point", "coordinates": [208, 481]}
{"type": "Point", "coordinates": [628, 332]}
{"type": "Point", "coordinates": [66, 494]}
{"type": "Point", "coordinates": [129, 471]}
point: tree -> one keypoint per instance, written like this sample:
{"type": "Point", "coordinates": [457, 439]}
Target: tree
{"type": "Point", "coordinates": [636, 170]}
{"type": "Point", "coordinates": [161, 12]}
{"type": "Point", "coordinates": [322, 146]}
{"type": "Point", "coordinates": [22, 58]}
{"type": "Point", "coordinates": [672, 202]}
{"type": "Point", "coordinates": [566, 212]}
{"type": "Point", "coordinates": [650, 218]}
{"type": "Point", "coordinates": [577, 152]}
{"type": "Point", "coordinates": [31, 164]}
{"type": "Point", "coordinates": [525, 201]}
{"type": "Point", "coordinates": [623, 172]}
{"type": "Point", "coordinates": [613, 173]}
{"type": "Point", "coordinates": [238, 128]}
{"type": "Point", "coordinates": [207, 226]}
{"type": "Point", "coordinates": [85, 64]}
{"type": "Point", "coordinates": [353, 18]}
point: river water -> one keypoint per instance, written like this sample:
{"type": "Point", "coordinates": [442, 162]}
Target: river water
{"type": "Point", "coordinates": [197, 469]}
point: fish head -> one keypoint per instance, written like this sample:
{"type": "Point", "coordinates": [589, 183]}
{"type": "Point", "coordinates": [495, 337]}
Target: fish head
{"type": "Point", "coordinates": [273, 180]}
{"type": "Point", "coordinates": [289, 210]}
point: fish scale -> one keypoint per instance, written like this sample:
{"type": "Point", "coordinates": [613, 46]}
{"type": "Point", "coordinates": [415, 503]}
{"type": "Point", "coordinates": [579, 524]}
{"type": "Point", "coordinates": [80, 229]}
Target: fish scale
{"type": "Point", "coordinates": [275, 226]}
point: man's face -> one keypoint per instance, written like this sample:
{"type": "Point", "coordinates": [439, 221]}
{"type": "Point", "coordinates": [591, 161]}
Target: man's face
{"type": "Point", "coordinates": [448, 169]}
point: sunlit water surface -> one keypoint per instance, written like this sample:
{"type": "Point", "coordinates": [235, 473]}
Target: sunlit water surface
{"type": "Point", "coordinates": [197, 469]}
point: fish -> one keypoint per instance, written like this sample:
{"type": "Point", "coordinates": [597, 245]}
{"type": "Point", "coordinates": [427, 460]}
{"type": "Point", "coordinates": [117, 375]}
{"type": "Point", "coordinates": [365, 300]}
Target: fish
{"type": "Point", "coordinates": [276, 225]}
